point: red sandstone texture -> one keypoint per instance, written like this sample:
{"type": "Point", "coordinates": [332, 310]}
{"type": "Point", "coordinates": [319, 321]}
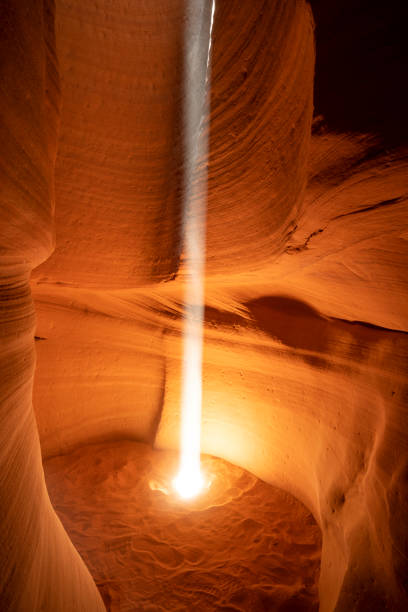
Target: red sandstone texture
{"type": "Point", "coordinates": [306, 348]}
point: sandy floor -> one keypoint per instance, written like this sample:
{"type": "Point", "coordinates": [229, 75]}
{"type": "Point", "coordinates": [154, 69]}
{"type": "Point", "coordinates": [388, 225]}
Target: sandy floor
{"type": "Point", "coordinates": [243, 545]}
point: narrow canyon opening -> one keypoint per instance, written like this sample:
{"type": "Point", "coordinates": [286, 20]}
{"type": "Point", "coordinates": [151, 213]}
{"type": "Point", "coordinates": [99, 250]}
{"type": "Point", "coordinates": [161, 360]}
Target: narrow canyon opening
{"type": "Point", "coordinates": [304, 316]}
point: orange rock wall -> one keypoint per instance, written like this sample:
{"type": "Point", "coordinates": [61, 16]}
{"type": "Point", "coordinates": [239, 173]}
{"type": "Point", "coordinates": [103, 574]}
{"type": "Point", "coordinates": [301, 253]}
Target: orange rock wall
{"type": "Point", "coordinates": [39, 567]}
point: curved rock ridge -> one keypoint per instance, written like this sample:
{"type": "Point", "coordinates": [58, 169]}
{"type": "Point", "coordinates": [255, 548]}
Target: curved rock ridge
{"type": "Point", "coordinates": [261, 110]}
{"type": "Point", "coordinates": [39, 567]}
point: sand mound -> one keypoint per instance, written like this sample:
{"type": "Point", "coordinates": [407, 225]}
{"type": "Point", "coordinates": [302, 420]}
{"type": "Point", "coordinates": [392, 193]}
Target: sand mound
{"type": "Point", "coordinates": [242, 545]}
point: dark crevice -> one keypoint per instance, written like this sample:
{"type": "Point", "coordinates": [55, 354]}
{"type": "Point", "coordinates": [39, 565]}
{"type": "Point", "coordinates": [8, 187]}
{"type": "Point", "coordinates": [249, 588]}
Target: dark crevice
{"type": "Point", "coordinates": [372, 207]}
{"type": "Point", "coordinates": [304, 246]}
{"type": "Point", "coordinates": [378, 328]}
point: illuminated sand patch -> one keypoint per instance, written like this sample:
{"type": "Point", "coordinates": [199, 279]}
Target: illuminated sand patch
{"type": "Point", "coordinates": [240, 545]}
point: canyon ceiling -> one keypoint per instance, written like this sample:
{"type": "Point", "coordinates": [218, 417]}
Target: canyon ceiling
{"type": "Point", "coordinates": [306, 318]}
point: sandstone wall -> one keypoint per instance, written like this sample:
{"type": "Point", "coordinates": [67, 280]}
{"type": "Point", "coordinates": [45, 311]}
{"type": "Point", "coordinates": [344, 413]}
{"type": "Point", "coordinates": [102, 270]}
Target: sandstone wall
{"type": "Point", "coordinates": [39, 567]}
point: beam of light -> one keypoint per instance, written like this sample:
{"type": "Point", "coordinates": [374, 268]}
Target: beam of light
{"type": "Point", "coordinates": [198, 32]}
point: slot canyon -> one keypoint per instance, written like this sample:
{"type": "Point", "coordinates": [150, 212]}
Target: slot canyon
{"type": "Point", "coordinates": [304, 422]}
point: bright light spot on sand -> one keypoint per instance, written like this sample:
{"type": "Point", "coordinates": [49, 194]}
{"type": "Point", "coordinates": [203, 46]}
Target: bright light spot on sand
{"type": "Point", "coordinates": [189, 481]}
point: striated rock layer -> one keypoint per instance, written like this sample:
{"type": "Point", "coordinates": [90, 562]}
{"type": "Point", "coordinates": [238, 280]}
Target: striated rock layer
{"type": "Point", "coordinates": [306, 348]}
{"type": "Point", "coordinates": [39, 566]}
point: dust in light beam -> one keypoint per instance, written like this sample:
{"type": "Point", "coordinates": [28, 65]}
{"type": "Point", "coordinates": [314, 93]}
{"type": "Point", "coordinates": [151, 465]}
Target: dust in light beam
{"type": "Point", "coordinates": [197, 51]}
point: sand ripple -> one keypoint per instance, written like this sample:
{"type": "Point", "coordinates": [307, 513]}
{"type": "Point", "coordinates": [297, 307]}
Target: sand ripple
{"type": "Point", "coordinates": [241, 546]}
